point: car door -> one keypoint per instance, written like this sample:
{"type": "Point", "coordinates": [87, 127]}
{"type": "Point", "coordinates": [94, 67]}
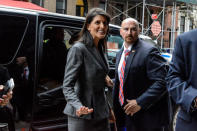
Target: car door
{"type": "Point", "coordinates": [17, 34]}
{"type": "Point", "coordinates": [49, 101]}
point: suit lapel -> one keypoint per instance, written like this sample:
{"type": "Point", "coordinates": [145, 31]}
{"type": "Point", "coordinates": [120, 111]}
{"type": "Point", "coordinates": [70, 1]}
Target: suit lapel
{"type": "Point", "coordinates": [97, 56]}
{"type": "Point", "coordinates": [129, 60]}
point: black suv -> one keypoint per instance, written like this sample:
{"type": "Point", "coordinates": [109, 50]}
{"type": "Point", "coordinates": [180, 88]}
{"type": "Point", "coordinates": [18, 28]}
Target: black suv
{"type": "Point", "coordinates": [37, 64]}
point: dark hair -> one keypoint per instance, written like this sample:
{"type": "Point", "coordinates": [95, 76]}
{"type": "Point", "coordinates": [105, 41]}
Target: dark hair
{"type": "Point", "coordinates": [84, 35]}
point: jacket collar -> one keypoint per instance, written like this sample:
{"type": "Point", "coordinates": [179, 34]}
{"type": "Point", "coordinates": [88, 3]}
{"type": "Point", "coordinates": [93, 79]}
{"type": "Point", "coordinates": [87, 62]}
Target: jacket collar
{"type": "Point", "coordinates": [130, 58]}
{"type": "Point", "coordinates": [134, 49]}
{"type": "Point", "coordinates": [93, 50]}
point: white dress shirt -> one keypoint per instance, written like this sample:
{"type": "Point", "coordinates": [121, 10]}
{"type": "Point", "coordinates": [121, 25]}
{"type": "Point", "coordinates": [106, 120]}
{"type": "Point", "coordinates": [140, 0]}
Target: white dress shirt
{"type": "Point", "coordinates": [27, 73]}
{"type": "Point", "coordinates": [122, 58]}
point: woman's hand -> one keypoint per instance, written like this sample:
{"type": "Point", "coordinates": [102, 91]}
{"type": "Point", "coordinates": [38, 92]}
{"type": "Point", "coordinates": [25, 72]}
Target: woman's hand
{"type": "Point", "coordinates": [83, 111]}
{"type": "Point", "coordinates": [5, 98]}
{"type": "Point", "coordinates": [109, 81]}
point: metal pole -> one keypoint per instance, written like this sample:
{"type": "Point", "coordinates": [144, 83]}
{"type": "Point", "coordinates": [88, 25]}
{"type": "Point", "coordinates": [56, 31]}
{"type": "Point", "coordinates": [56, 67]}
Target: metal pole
{"type": "Point", "coordinates": [147, 24]}
{"type": "Point", "coordinates": [41, 2]}
{"type": "Point", "coordinates": [136, 12]}
{"type": "Point", "coordinates": [127, 6]}
{"type": "Point", "coordinates": [143, 16]}
{"type": "Point", "coordinates": [174, 25]}
{"type": "Point", "coordinates": [172, 21]}
{"type": "Point", "coordinates": [162, 28]}
{"type": "Point", "coordinates": [187, 19]}
{"type": "Point", "coordinates": [124, 12]}
{"type": "Point", "coordinates": [105, 5]}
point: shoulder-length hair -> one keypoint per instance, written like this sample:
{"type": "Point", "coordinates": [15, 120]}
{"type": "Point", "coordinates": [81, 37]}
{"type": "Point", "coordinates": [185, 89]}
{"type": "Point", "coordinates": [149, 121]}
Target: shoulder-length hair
{"type": "Point", "coordinates": [84, 35]}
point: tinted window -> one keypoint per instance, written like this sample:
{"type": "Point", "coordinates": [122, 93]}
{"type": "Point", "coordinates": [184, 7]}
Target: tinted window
{"type": "Point", "coordinates": [49, 91]}
{"type": "Point", "coordinates": [12, 30]}
{"type": "Point", "coordinates": [114, 43]}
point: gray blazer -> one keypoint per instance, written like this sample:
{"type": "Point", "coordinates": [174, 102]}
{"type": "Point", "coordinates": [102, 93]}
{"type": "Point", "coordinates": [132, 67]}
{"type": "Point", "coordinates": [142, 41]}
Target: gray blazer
{"type": "Point", "coordinates": [84, 81]}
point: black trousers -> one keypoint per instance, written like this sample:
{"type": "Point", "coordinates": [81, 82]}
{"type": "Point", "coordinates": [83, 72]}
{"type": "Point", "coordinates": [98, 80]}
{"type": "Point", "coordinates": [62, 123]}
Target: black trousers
{"type": "Point", "coordinates": [130, 124]}
{"type": "Point", "coordinates": [78, 124]}
{"type": "Point", "coordinates": [6, 117]}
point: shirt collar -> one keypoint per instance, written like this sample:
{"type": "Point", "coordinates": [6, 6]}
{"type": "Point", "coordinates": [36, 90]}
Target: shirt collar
{"type": "Point", "coordinates": [129, 48]}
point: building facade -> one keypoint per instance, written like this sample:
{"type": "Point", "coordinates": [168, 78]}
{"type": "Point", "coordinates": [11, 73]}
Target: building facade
{"type": "Point", "coordinates": [174, 17]}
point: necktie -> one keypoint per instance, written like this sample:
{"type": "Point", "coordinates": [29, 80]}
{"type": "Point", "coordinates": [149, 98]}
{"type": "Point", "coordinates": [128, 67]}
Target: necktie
{"type": "Point", "coordinates": [121, 94]}
{"type": "Point", "coordinates": [25, 74]}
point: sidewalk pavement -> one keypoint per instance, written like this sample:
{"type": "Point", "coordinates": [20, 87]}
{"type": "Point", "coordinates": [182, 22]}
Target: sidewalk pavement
{"type": "Point", "coordinates": [22, 126]}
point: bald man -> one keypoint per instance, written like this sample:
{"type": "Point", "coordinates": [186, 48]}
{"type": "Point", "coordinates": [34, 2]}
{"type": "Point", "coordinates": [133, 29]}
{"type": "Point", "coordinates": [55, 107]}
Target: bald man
{"type": "Point", "coordinates": [140, 94]}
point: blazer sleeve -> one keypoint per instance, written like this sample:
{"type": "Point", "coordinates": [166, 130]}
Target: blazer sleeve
{"type": "Point", "coordinates": [180, 91]}
{"type": "Point", "coordinates": [156, 73]}
{"type": "Point", "coordinates": [72, 69]}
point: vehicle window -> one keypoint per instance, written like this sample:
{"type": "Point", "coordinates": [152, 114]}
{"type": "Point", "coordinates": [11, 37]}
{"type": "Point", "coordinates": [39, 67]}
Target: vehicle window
{"type": "Point", "coordinates": [17, 54]}
{"type": "Point", "coordinates": [114, 43]}
{"type": "Point", "coordinates": [12, 31]}
{"type": "Point", "coordinates": [54, 53]}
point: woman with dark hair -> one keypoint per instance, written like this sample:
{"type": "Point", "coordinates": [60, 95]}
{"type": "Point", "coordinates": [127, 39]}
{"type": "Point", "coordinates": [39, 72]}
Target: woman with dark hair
{"type": "Point", "coordinates": [86, 76]}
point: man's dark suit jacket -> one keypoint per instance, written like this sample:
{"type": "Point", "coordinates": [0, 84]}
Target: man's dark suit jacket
{"type": "Point", "coordinates": [182, 76]}
{"type": "Point", "coordinates": [144, 80]}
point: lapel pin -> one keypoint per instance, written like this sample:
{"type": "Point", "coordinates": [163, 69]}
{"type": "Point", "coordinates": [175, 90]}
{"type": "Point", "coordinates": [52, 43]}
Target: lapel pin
{"type": "Point", "coordinates": [133, 51]}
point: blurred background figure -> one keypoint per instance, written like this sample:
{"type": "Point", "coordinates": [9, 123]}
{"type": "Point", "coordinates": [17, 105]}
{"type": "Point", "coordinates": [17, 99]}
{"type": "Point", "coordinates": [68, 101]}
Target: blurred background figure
{"type": "Point", "coordinates": [21, 95]}
{"type": "Point", "coordinates": [54, 55]}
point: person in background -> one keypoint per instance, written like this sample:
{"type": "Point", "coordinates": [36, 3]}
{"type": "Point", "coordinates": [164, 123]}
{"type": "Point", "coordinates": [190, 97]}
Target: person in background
{"type": "Point", "coordinates": [86, 76]}
{"type": "Point", "coordinates": [54, 55]}
{"type": "Point", "coordinates": [181, 80]}
{"type": "Point", "coordinates": [21, 96]}
{"type": "Point", "coordinates": [140, 93]}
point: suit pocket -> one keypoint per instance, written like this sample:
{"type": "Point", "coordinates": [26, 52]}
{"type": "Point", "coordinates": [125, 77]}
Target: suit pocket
{"type": "Point", "coordinates": [183, 115]}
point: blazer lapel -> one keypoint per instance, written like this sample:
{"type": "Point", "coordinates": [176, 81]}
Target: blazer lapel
{"type": "Point", "coordinates": [106, 60]}
{"type": "Point", "coordinates": [97, 56]}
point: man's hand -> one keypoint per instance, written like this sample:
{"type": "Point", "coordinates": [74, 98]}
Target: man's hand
{"type": "Point", "coordinates": [5, 98]}
{"type": "Point", "coordinates": [108, 81]}
{"type": "Point", "coordinates": [131, 107]}
{"type": "Point", "coordinates": [83, 111]}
